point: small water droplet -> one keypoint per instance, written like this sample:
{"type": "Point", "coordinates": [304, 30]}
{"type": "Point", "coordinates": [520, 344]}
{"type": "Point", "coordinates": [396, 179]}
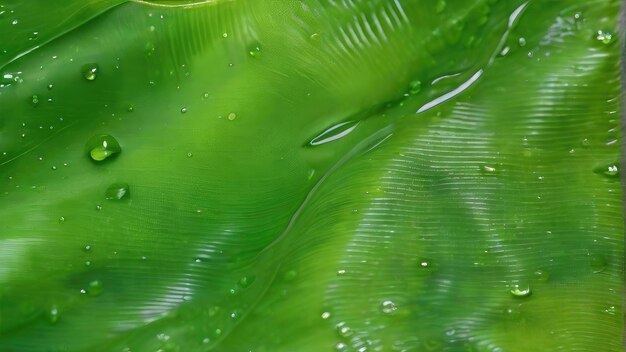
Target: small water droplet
{"type": "Point", "coordinates": [95, 288]}
{"type": "Point", "coordinates": [290, 275]}
{"type": "Point", "coordinates": [103, 146]}
{"type": "Point", "coordinates": [415, 87]}
{"type": "Point", "coordinates": [341, 272]}
{"type": "Point", "coordinates": [205, 95]}
{"type": "Point", "coordinates": [87, 248]}
{"type": "Point", "coordinates": [521, 42]}
{"type": "Point", "coordinates": [610, 310]}
{"type": "Point", "coordinates": [314, 36]}
{"type": "Point", "coordinates": [183, 110]}
{"type": "Point", "coordinates": [53, 314]}
{"type": "Point", "coordinates": [343, 330]}
{"type": "Point", "coordinates": [246, 281]}
{"type": "Point", "coordinates": [505, 51]}
{"type": "Point", "coordinates": [542, 275]}
{"type": "Point", "coordinates": [190, 154]}
{"type": "Point", "coordinates": [388, 307]}
{"type": "Point", "coordinates": [224, 35]}
{"type": "Point", "coordinates": [325, 315]}
{"type": "Point", "coordinates": [117, 191]}
{"type": "Point", "coordinates": [90, 71]}
{"type": "Point", "coordinates": [54, 168]}
{"type": "Point", "coordinates": [62, 219]}
{"type": "Point", "coordinates": [521, 290]}
{"type": "Point", "coordinates": [218, 332]}
{"type": "Point", "coordinates": [605, 37]}
{"type": "Point", "coordinates": [255, 51]}
{"type": "Point", "coordinates": [130, 108]}
{"type": "Point", "coordinates": [98, 207]}
{"type": "Point", "coordinates": [35, 99]}
{"type": "Point", "coordinates": [232, 116]}
{"type": "Point", "coordinates": [585, 143]}
{"type": "Point", "coordinates": [607, 169]}
{"type": "Point", "coordinates": [340, 346]}
{"type": "Point", "coordinates": [87, 263]}
{"type": "Point", "coordinates": [14, 22]}
{"type": "Point", "coordinates": [489, 169]}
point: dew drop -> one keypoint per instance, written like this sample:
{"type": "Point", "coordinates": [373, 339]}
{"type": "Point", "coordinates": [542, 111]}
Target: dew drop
{"type": "Point", "coordinates": [224, 35]}
{"type": "Point", "coordinates": [102, 146]}
{"type": "Point", "coordinates": [325, 315]}
{"type": "Point", "coordinates": [246, 281]}
{"type": "Point", "coordinates": [521, 42]}
{"type": "Point", "coordinates": [190, 155]}
{"type": "Point", "coordinates": [87, 248]}
{"type": "Point", "coordinates": [605, 37]}
{"type": "Point", "coordinates": [489, 169]}
{"type": "Point", "coordinates": [62, 219]}
{"type": "Point", "coordinates": [232, 116]}
{"type": "Point", "coordinates": [415, 87]}
{"type": "Point", "coordinates": [117, 191]}
{"type": "Point", "coordinates": [255, 51]}
{"type": "Point", "coordinates": [205, 95]}
{"type": "Point", "coordinates": [90, 71]}
{"type": "Point", "coordinates": [290, 275]}
{"type": "Point", "coordinates": [53, 314]}
{"type": "Point", "coordinates": [343, 330]}
{"type": "Point", "coordinates": [35, 99]}
{"type": "Point", "coordinates": [340, 346]}
{"type": "Point", "coordinates": [95, 288]}
{"type": "Point", "coordinates": [183, 110]}
{"type": "Point", "coordinates": [521, 290]}
{"type": "Point", "coordinates": [388, 307]}
{"type": "Point", "coordinates": [542, 275]}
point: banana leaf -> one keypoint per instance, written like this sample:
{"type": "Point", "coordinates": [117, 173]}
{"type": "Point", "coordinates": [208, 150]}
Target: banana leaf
{"type": "Point", "coordinates": [349, 175]}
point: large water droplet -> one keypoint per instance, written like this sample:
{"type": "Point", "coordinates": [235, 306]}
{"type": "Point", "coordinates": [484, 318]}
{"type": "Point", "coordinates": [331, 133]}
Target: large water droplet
{"type": "Point", "coordinates": [117, 191]}
{"type": "Point", "coordinates": [103, 146]}
{"type": "Point", "coordinates": [607, 169]}
{"type": "Point", "coordinates": [90, 71]}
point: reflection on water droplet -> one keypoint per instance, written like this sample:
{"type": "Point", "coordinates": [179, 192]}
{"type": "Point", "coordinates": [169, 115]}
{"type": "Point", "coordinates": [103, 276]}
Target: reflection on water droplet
{"type": "Point", "coordinates": [53, 314]}
{"type": "Point", "coordinates": [232, 116]}
{"type": "Point", "coordinates": [607, 169]}
{"type": "Point", "coordinates": [521, 290]}
{"type": "Point", "coordinates": [388, 307]}
{"type": "Point", "coordinates": [598, 263]}
{"type": "Point", "coordinates": [415, 87]}
{"type": "Point", "coordinates": [35, 99]}
{"type": "Point", "coordinates": [605, 37]}
{"type": "Point", "coordinates": [95, 288]}
{"type": "Point", "coordinates": [102, 146]}
{"type": "Point", "coordinates": [183, 110]}
{"type": "Point", "coordinates": [62, 219]}
{"type": "Point", "coordinates": [255, 51]}
{"type": "Point", "coordinates": [522, 42]}
{"type": "Point", "coordinates": [334, 133]}
{"type": "Point", "coordinates": [87, 248]}
{"type": "Point", "coordinates": [224, 35]}
{"type": "Point", "coordinates": [206, 340]}
{"type": "Point", "coordinates": [325, 315]}
{"type": "Point", "coordinates": [340, 346]}
{"type": "Point", "coordinates": [343, 330]}
{"type": "Point", "coordinates": [610, 310]}
{"type": "Point", "coordinates": [246, 281]}
{"type": "Point", "coordinates": [117, 191]}
{"type": "Point", "coordinates": [90, 71]}
{"type": "Point", "coordinates": [205, 95]}
{"type": "Point", "coordinates": [489, 169]}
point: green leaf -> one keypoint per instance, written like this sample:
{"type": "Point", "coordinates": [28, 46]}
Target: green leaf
{"type": "Point", "coordinates": [384, 175]}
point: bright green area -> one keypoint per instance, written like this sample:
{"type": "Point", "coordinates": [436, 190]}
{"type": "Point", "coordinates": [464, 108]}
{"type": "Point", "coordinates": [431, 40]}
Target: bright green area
{"type": "Point", "coordinates": [352, 175]}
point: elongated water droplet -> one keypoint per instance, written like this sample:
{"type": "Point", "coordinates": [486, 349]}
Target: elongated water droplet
{"type": "Point", "coordinates": [334, 133]}
{"type": "Point", "coordinates": [325, 315]}
{"type": "Point", "coordinates": [598, 263]}
{"type": "Point", "coordinates": [607, 169]}
{"type": "Point", "coordinates": [90, 71]}
{"type": "Point", "coordinates": [103, 146]}
{"type": "Point", "coordinates": [117, 191]}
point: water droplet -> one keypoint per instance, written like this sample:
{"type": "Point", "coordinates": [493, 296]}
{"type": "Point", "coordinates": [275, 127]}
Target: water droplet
{"type": "Point", "coordinates": [290, 275]}
{"type": "Point", "coordinates": [505, 51]}
{"type": "Point", "coordinates": [415, 87]}
{"type": "Point", "coordinates": [95, 288]}
{"type": "Point", "coordinates": [610, 310]}
{"type": "Point", "coordinates": [53, 314]}
{"type": "Point", "coordinates": [246, 281]}
{"type": "Point", "coordinates": [14, 22]}
{"type": "Point", "coordinates": [489, 169]}
{"type": "Point", "coordinates": [607, 169]}
{"type": "Point", "coordinates": [87, 263]}
{"type": "Point", "coordinates": [117, 191]}
{"type": "Point", "coordinates": [255, 51]}
{"type": "Point", "coordinates": [54, 168]}
{"type": "Point", "coordinates": [102, 146]}
{"type": "Point", "coordinates": [388, 307]}
{"type": "Point", "coordinates": [232, 116]}
{"type": "Point", "coordinates": [521, 290]}
{"type": "Point", "coordinates": [521, 42]}
{"type": "Point", "coordinates": [224, 35]}
{"type": "Point", "coordinates": [605, 37]}
{"type": "Point", "coordinates": [441, 6]}
{"type": "Point", "coordinates": [98, 207]}
{"type": "Point", "coordinates": [90, 71]}
{"type": "Point", "coordinates": [218, 332]}
{"type": "Point", "coordinates": [542, 275]}
{"type": "Point", "coordinates": [62, 219]}
{"type": "Point", "coordinates": [325, 315]}
{"type": "Point", "coordinates": [340, 346]}
{"type": "Point", "coordinates": [130, 108]}
{"type": "Point", "coordinates": [598, 263]}
{"type": "Point", "coordinates": [183, 110]}
{"type": "Point", "coordinates": [205, 95]}
{"type": "Point", "coordinates": [87, 248]}
{"type": "Point", "coordinates": [343, 330]}
{"type": "Point", "coordinates": [314, 36]}
{"type": "Point", "coordinates": [190, 154]}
